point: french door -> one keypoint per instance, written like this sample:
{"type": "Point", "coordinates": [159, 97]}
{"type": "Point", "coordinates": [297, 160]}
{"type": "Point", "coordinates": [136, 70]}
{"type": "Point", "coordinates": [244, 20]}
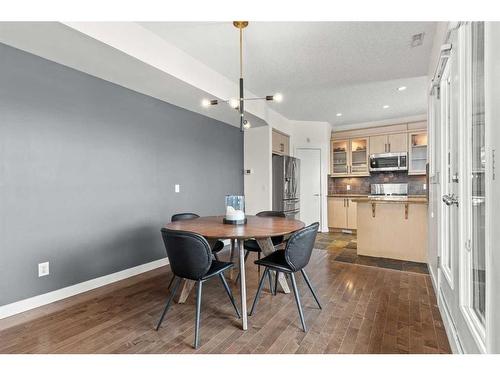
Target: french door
{"type": "Point", "coordinates": [462, 250]}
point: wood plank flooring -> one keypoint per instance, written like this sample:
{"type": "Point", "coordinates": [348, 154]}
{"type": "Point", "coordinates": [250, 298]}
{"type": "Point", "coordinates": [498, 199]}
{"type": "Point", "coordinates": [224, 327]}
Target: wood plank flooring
{"type": "Point", "coordinates": [365, 310]}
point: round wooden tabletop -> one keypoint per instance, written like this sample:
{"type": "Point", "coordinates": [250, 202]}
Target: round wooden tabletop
{"type": "Point", "coordinates": [256, 227]}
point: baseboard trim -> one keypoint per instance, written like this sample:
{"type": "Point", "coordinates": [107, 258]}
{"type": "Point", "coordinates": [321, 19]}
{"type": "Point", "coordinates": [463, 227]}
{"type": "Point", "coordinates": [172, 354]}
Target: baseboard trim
{"type": "Point", "coordinates": [57, 295]}
{"type": "Point", "coordinates": [449, 327]}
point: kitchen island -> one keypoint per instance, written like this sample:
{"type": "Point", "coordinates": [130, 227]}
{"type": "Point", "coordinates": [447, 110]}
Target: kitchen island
{"type": "Point", "coordinates": [392, 227]}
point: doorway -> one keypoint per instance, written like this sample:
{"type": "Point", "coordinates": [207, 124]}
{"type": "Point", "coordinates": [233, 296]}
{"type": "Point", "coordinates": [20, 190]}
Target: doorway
{"type": "Point", "coordinates": [310, 184]}
{"type": "Point", "coordinates": [461, 268]}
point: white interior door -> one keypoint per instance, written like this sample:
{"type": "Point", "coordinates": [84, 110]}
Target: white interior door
{"type": "Point", "coordinates": [310, 184]}
{"type": "Point", "coordinates": [454, 214]}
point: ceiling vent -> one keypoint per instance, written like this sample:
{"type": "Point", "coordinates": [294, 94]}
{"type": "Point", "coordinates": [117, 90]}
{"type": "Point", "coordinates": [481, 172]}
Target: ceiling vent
{"type": "Point", "coordinates": [417, 40]}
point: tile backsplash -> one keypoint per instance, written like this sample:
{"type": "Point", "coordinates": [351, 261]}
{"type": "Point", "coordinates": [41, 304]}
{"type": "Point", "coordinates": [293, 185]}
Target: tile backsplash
{"type": "Point", "coordinates": [361, 185]}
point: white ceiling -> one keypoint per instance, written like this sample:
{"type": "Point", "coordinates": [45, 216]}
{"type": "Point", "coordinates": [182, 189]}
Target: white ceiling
{"type": "Point", "coordinates": [322, 68]}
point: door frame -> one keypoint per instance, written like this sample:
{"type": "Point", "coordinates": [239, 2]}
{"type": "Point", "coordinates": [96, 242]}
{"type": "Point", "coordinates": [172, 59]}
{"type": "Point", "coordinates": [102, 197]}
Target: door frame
{"type": "Point", "coordinates": [321, 197]}
{"type": "Point", "coordinates": [463, 330]}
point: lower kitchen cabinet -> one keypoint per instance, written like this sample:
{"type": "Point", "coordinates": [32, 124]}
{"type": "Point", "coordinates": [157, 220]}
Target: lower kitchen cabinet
{"type": "Point", "coordinates": [342, 213]}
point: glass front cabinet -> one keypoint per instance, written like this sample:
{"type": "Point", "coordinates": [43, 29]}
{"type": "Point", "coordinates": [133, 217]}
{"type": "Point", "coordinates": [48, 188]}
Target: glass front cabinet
{"type": "Point", "coordinates": [417, 153]}
{"type": "Point", "coordinates": [350, 157]}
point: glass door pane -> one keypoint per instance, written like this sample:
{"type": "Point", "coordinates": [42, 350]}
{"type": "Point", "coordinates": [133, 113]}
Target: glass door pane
{"type": "Point", "coordinates": [339, 161]}
{"type": "Point", "coordinates": [418, 152]}
{"type": "Point", "coordinates": [478, 199]}
{"type": "Point", "coordinates": [359, 155]}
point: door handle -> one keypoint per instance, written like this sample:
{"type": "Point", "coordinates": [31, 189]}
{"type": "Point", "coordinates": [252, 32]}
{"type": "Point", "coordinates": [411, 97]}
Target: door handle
{"type": "Point", "coordinates": [450, 200]}
{"type": "Point", "coordinates": [316, 195]}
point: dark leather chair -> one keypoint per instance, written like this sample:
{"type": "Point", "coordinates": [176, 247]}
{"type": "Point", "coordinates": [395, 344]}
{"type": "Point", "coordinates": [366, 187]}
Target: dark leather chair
{"type": "Point", "coordinates": [219, 245]}
{"type": "Point", "coordinates": [190, 258]}
{"type": "Point", "coordinates": [253, 246]}
{"type": "Point", "coordinates": [289, 261]}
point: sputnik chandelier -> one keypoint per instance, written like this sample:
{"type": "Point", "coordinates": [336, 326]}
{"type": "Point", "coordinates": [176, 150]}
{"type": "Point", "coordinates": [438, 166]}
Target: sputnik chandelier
{"type": "Point", "coordinates": [239, 104]}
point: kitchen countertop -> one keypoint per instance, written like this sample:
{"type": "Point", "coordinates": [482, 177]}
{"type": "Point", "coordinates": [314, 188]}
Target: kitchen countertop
{"type": "Point", "coordinates": [347, 195]}
{"type": "Point", "coordinates": [411, 199]}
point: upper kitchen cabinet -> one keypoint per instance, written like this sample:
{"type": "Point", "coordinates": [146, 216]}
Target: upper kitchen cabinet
{"type": "Point", "coordinates": [280, 143]}
{"type": "Point", "coordinates": [340, 157]}
{"type": "Point", "coordinates": [380, 144]}
{"type": "Point", "coordinates": [397, 142]}
{"type": "Point", "coordinates": [350, 157]}
{"type": "Point", "coordinates": [358, 157]}
{"type": "Point", "coordinates": [417, 152]}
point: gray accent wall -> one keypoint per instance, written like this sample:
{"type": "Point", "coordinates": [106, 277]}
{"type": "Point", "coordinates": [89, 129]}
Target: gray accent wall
{"type": "Point", "coordinates": [87, 173]}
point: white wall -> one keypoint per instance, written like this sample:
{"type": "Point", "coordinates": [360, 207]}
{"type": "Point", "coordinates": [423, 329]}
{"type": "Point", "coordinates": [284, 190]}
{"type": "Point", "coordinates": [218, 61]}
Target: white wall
{"type": "Point", "coordinates": [257, 157]}
{"type": "Point", "coordinates": [312, 134]}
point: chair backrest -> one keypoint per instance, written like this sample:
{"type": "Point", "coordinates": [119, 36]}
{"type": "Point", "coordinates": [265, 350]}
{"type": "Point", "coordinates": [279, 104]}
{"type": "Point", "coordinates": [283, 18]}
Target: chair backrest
{"type": "Point", "coordinates": [299, 247]}
{"type": "Point", "coordinates": [188, 253]}
{"type": "Point", "coordinates": [184, 216]}
{"type": "Point", "coordinates": [271, 214]}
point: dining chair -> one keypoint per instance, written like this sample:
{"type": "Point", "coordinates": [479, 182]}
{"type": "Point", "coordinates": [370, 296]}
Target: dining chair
{"type": "Point", "coordinates": [191, 258]}
{"type": "Point", "coordinates": [218, 246]}
{"type": "Point", "coordinates": [253, 246]}
{"type": "Point", "coordinates": [292, 259]}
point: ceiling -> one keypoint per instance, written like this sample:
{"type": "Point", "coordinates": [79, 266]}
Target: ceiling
{"type": "Point", "coordinates": [321, 68]}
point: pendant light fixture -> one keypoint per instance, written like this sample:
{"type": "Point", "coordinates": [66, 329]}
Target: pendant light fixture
{"type": "Point", "coordinates": [239, 104]}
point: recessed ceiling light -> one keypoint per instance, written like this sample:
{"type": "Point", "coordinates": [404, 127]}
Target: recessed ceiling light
{"type": "Point", "coordinates": [338, 114]}
{"type": "Point", "coordinates": [402, 88]}
{"type": "Point", "coordinates": [385, 106]}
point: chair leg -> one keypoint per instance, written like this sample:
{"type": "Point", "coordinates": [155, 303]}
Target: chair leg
{"type": "Point", "coordinates": [171, 281]}
{"type": "Point", "coordinates": [246, 256]}
{"type": "Point", "coordinates": [297, 299]}
{"type": "Point", "coordinates": [228, 291]}
{"type": "Point", "coordinates": [270, 282]}
{"type": "Point", "coordinates": [258, 257]}
{"type": "Point", "coordinates": [259, 289]}
{"type": "Point", "coordinates": [310, 287]}
{"type": "Point", "coordinates": [169, 300]}
{"type": "Point", "coordinates": [198, 311]}
{"type": "Point", "coordinates": [276, 277]}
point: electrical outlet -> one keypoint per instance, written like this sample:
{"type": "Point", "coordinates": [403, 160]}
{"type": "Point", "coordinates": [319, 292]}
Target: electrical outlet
{"type": "Point", "coordinates": [424, 186]}
{"type": "Point", "coordinates": [43, 269]}
{"type": "Point", "coordinates": [348, 187]}
{"type": "Point", "coordinates": [177, 188]}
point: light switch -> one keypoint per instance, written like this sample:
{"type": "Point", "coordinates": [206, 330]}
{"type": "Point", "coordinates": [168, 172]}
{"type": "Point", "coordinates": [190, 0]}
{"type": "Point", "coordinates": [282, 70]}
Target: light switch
{"type": "Point", "coordinates": [177, 188]}
{"type": "Point", "coordinates": [424, 186]}
{"type": "Point", "coordinates": [43, 269]}
{"type": "Point", "coordinates": [348, 187]}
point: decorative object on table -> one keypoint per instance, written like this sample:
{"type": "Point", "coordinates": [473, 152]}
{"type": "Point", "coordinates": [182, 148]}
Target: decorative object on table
{"type": "Point", "coordinates": [238, 104]}
{"type": "Point", "coordinates": [235, 210]}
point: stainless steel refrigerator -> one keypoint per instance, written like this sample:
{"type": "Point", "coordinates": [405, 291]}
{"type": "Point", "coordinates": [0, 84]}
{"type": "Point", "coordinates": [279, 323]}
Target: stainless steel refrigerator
{"type": "Point", "coordinates": [286, 185]}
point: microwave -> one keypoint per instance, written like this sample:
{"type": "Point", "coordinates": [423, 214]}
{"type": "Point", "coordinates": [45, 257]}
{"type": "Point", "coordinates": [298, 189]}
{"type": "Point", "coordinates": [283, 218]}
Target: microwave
{"type": "Point", "coordinates": [394, 161]}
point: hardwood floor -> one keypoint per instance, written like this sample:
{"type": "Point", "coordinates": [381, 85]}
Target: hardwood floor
{"type": "Point", "coordinates": [365, 310]}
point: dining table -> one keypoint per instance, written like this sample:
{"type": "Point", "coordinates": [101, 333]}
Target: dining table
{"type": "Point", "coordinates": [256, 227]}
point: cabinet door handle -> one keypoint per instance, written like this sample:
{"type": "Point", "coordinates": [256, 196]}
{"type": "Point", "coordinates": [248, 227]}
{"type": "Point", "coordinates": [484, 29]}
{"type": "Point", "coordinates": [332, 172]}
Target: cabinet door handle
{"type": "Point", "coordinates": [385, 147]}
{"type": "Point", "coordinates": [282, 147]}
{"type": "Point", "coordinates": [389, 148]}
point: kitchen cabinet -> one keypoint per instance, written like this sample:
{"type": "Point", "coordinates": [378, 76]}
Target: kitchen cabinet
{"type": "Point", "coordinates": [340, 157]}
{"type": "Point", "coordinates": [350, 157]}
{"type": "Point", "coordinates": [280, 143]}
{"type": "Point", "coordinates": [352, 214]}
{"type": "Point", "coordinates": [417, 153]}
{"type": "Point", "coordinates": [397, 142]}
{"type": "Point", "coordinates": [380, 144]}
{"type": "Point", "coordinates": [342, 213]}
